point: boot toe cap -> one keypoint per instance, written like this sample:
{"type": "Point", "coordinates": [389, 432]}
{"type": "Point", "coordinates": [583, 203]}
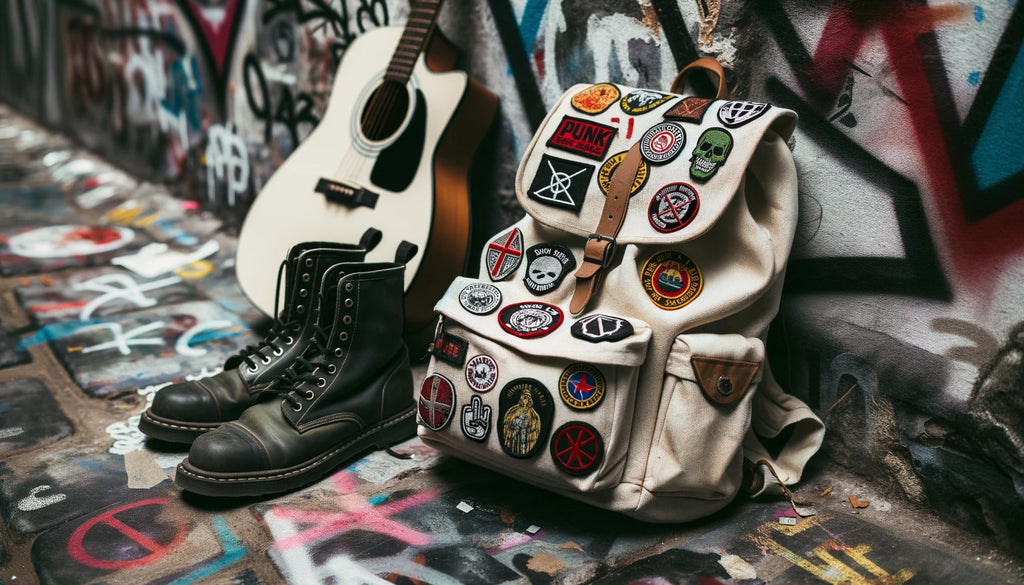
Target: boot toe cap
{"type": "Point", "coordinates": [215, 399]}
{"type": "Point", "coordinates": [228, 449]}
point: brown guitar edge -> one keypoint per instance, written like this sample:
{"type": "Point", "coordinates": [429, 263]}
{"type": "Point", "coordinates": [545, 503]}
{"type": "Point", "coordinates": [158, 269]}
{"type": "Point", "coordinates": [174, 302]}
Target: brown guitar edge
{"type": "Point", "coordinates": [448, 244]}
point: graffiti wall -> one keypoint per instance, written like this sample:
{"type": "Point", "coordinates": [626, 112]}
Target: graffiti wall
{"type": "Point", "coordinates": [902, 324]}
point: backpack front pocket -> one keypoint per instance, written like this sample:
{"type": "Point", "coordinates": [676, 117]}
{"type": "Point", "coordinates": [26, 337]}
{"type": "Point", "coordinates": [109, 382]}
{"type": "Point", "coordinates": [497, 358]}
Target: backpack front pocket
{"type": "Point", "coordinates": [524, 391]}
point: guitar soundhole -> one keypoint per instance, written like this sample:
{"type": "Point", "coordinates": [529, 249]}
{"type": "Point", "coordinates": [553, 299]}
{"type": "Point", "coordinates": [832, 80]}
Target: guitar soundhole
{"type": "Point", "coordinates": [385, 110]}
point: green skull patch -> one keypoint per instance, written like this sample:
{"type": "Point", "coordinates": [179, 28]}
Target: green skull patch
{"type": "Point", "coordinates": [712, 149]}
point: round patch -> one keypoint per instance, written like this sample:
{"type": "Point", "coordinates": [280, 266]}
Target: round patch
{"type": "Point", "coordinates": [604, 176]}
{"type": "Point", "coordinates": [662, 143]}
{"type": "Point", "coordinates": [436, 402]}
{"type": "Point", "coordinates": [530, 319]}
{"type": "Point", "coordinates": [547, 265]}
{"type": "Point", "coordinates": [639, 101]}
{"type": "Point", "coordinates": [480, 298]}
{"type": "Point", "coordinates": [482, 373]}
{"type": "Point", "coordinates": [673, 207]}
{"type": "Point", "coordinates": [672, 279]}
{"type": "Point", "coordinates": [577, 448]}
{"type": "Point", "coordinates": [476, 419]}
{"type": "Point", "coordinates": [581, 386]}
{"type": "Point", "coordinates": [597, 327]}
{"type": "Point", "coordinates": [525, 411]}
{"type": "Point", "coordinates": [596, 98]}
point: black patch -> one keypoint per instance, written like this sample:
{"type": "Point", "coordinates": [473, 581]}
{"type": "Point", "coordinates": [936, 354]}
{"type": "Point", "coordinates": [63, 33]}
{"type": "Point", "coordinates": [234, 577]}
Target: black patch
{"type": "Point", "coordinates": [639, 101]}
{"type": "Point", "coordinates": [673, 207]}
{"type": "Point", "coordinates": [577, 448]}
{"type": "Point", "coordinates": [561, 183]}
{"type": "Point", "coordinates": [582, 137]}
{"type": "Point", "coordinates": [530, 319]}
{"type": "Point", "coordinates": [480, 298]}
{"type": "Point", "coordinates": [690, 109]}
{"type": "Point", "coordinates": [739, 112]}
{"type": "Point", "coordinates": [504, 254]}
{"type": "Point", "coordinates": [597, 327]}
{"type": "Point", "coordinates": [525, 412]}
{"type": "Point", "coordinates": [546, 267]}
{"type": "Point", "coordinates": [450, 349]}
{"type": "Point", "coordinates": [476, 419]}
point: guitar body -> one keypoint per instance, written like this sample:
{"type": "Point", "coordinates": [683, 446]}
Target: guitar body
{"type": "Point", "coordinates": [419, 175]}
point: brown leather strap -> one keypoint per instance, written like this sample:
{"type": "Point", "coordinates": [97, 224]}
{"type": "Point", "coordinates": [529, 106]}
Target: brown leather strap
{"type": "Point", "coordinates": [707, 64]}
{"type": "Point", "coordinates": [599, 250]}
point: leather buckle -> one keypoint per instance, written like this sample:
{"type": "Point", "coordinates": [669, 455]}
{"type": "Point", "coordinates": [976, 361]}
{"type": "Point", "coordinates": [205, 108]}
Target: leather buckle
{"type": "Point", "coordinates": [609, 250]}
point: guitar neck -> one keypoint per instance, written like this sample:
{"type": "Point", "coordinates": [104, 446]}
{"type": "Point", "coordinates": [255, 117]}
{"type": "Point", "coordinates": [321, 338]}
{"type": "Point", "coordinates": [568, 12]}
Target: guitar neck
{"type": "Point", "coordinates": [422, 18]}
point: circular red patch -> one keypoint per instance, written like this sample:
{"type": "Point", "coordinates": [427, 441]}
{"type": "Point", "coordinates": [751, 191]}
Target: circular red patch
{"type": "Point", "coordinates": [577, 448]}
{"type": "Point", "coordinates": [436, 402]}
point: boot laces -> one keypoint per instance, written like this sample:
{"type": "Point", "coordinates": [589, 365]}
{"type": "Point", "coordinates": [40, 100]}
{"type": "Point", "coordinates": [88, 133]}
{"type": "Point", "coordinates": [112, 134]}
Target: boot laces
{"type": "Point", "coordinates": [276, 337]}
{"type": "Point", "coordinates": [304, 369]}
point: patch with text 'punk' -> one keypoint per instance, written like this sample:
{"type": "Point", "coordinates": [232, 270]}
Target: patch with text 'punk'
{"type": "Point", "coordinates": [582, 137]}
{"type": "Point", "coordinates": [671, 279]}
{"type": "Point", "coordinates": [480, 298]}
{"type": "Point", "coordinates": [476, 419]}
{"type": "Point", "coordinates": [595, 99]}
{"type": "Point", "coordinates": [504, 254]}
{"type": "Point", "coordinates": [546, 267]}
{"type": "Point", "coordinates": [598, 327]}
{"type": "Point", "coordinates": [673, 207]}
{"type": "Point", "coordinates": [450, 349]}
{"type": "Point", "coordinates": [739, 112]}
{"type": "Point", "coordinates": [482, 373]}
{"type": "Point", "coordinates": [561, 183]}
{"type": "Point", "coordinates": [436, 402]}
{"type": "Point", "coordinates": [530, 319]}
{"type": "Point", "coordinates": [525, 412]}
{"type": "Point", "coordinates": [639, 101]}
{"type": "Point", "coordinates": [577, 448]}
{"type": "Point", "coordinates": [581, 386]}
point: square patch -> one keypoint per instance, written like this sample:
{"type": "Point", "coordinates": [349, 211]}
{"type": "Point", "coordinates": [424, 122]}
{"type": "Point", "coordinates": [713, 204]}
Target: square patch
{"type": "Point", "coordinates": [561, 183]}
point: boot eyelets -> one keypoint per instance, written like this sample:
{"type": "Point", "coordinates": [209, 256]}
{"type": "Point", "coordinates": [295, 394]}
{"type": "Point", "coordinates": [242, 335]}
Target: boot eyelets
{"type": "Point", "coordinates": [346, 320]}
{"type": "Point", "coordinates": [303, 292]}
{"type": "Point", "coordinates": [266, 360]}
{"type": "Point", "coordinates": [337, 352]}
{"type": "Point", "coordinates": [255, 368]}
{"type": "Point", "coordinates": [278, 352]}
{"type": "Point", "coordinates": [310, 395]}
{"type": "Point", "coordinates": [331, 368]}
{"type": "Point", "coordinates": [297, 407]}
{"type": "Point", "coordinates": [343, 336]}
{"type": "Point", "coordinates": [348, 303]}
{"type": "Point", "coordinates": [321, 382]}
{"type": "Point", "coordinates": [305, 277]}
{"type": "Point", "coordinates": [289, 340]}
{"type": "Point", "coordinates": [300, 309]}
{"type": "Point", "coordinates": [309, 262]}
{"type": "Point", "coordinates": [348, 286]}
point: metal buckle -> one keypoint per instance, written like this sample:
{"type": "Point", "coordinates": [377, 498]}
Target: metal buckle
{"type": "Point", "coordinates": [609, 250]}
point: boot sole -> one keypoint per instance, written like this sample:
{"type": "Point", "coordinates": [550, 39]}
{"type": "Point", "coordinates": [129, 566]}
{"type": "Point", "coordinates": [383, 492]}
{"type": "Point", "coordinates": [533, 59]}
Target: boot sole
{"type": "Point", "coordinates": [394, 430]}
{"type": "Point", "coordinates": [173, 431]}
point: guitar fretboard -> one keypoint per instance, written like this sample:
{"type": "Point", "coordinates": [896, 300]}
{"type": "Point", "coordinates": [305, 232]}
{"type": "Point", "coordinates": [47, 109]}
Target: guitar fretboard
{"type": "Point", "coordinates": [422, 17]}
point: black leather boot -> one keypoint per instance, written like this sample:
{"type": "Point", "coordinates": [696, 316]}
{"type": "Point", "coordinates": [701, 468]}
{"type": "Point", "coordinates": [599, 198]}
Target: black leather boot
{"type": "Point", "coordinates": [351, 391]}
{"type": "Point", "coordinates": [183, 411]}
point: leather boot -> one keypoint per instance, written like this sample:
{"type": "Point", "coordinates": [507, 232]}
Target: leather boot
{"type": "Point", "coordinates": [351, 391]}
{"type": "Point", "coordinates": [183, 411]}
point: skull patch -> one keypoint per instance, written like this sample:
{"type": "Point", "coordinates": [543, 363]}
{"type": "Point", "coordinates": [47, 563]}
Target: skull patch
{"type": "Point", "coordinates": [547, 265]}
{"type": "Point", "coordinates": [712, 149]}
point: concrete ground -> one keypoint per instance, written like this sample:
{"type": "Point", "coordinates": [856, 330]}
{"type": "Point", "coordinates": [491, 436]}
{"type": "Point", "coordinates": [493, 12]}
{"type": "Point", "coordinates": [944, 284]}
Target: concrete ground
{"type": "Point", "coordinates": [85, 343]}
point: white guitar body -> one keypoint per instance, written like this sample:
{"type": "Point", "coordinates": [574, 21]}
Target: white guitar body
{"type": "Point", "coordinates": [289, 210]}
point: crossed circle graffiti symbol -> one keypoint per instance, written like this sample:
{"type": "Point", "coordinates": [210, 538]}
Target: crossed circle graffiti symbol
{"type": "Point", "coordinates": [76, 546]}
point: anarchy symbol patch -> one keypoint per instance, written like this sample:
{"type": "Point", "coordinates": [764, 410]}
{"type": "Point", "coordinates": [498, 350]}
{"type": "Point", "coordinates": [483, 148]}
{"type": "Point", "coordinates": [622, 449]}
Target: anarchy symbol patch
{"type": "Point", "coordinates": [597, 327]}
{"type": "Point", "coordinates": [436, 402]}
{"type": "Point", "coordinates": [530, 319]}
{"type": "Point", "coordinates": [577, 448]}
{"type": "Point", "coordinates": [482, 373]}
{"type": "Point", "coordinates": [581, 386]}
{"type": "Point", "coordinates": [504, 254]}
{"type": "Point", "coordinates": [547, 265]}
{"type": "Point", "coordinates": [662, 143]}
{"type": "Point", "coordinates": [739, 112]}
{"type": "Point", "coordinates": [480, 298]}
{"type": "Point", "coordinates": [561, 183]}
{"type": "Point", "coordinates": [476, 419]}
{"type": "Point", "coordinates": [673, 207]}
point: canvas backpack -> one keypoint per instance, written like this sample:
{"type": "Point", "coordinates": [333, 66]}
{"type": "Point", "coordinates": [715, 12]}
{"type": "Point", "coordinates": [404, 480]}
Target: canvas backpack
{"type": "Point", "coordinates": [613, 347]}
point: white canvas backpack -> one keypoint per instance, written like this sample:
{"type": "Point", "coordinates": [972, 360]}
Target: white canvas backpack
{"type": "Point", "coordinates": [612, 349]}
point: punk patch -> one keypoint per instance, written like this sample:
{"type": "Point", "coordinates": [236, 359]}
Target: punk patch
{"type": "Point", "coordinates": [530, 319]}
{"type": "Point", "coordinates": [561, 183]}
{"type": "Point", "coordinates": [671, 279]}
{"type": "Point", "coordinates": [581, 386]}
{"type": "Point", "coordinates": [436, 402]}
{"type": "Point", "coordinates": [639, 101]}
{"type": "Point", "coordinates": [480, 298]}
{"type": "Point", "coordinates": [546, 267]}
{"type": "Point", "coordinates": [504, 254]}
{"type": "Point", "coordinates": [582, 137]}
{"type": "Point", "coordinates": [662, 143]}
{"type": "Point", "coordinates": [673, 207]}
{"type": "Point", "coordinates": [450, 349]}
{"type": "Point", "coordinates": [690, 109]}
{"type": "Point", "coordinates": [595, 99]}
{"type": "Point", "coordinates": [604, 176]}
{"type": "Point", "coordinates": [597, 327]}
{"type": "Point", "coordinates": [577, 448]}
{"type": "Point", "coordinates": [476, 419]}
{"type": "Point", "coordinates": [525, 411]}
{"type": "Point", "coordinates": [482, 373]}
{"type": "Point", "coordinates": [739, 112]}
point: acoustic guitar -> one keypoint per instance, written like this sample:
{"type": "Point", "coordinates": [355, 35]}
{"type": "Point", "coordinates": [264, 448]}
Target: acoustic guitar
{"type": "Point", "coordinates": [392, 152]}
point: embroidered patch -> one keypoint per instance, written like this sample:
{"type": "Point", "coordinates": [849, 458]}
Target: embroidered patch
{"type": "Point", "coordinates": [690, 109]}
{"type": "Point", "coordinates": [577, 448]}
{"type": "Point", "coordinates": [639, 101]}
{"type": "Point", "coordinates": [530, 319]}
{"type": "Point", "coordinates": [546, 266]}
{"type": "Point", "coordinates": [436, 402]}
{"type": "Point", "coordinates": [480, 298]}
{"type": "Point", "coordinates": [476, 419]}
{"type": "Point", "coordinates": [710, 153]}
{"type": "Point", "coordinates": [450, 349]}
{"type": "Point", "coordinates": [581, 137]}
{"type": "Point", "coordinates": [482, 373]}
{"type": "Point", "coordinates": [561, 183]}
{"type": "Point", "coordinates": [672, 279]}
{"type": "Point", "coordinates": [662, 143]}
{"type": "Point", "coordinates": [581, 386]}
{"type": "Point", "coordinates": [673, 207]}
{"type": "Point", "coordinates": [597, 327]}
{"type": "Point", "coordinates": [739, 112]}
{"type": "Point", "coordinates": [525, 411]}
{"type": "Point", "coordinates": [596, 98]}
{"type": "Point", "coordinates": [604, 176]}
{"type": "Point", "coordinates": [504, 253]}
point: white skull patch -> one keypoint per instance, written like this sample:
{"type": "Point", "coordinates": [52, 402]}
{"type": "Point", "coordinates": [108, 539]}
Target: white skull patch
{"type": "Point", "coordinates": [547, 265]}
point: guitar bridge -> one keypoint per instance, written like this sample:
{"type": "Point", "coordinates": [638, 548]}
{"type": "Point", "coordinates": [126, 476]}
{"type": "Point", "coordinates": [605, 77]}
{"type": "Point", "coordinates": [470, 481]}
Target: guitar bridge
{"type": "Point", "coordinates": [347, 195]}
